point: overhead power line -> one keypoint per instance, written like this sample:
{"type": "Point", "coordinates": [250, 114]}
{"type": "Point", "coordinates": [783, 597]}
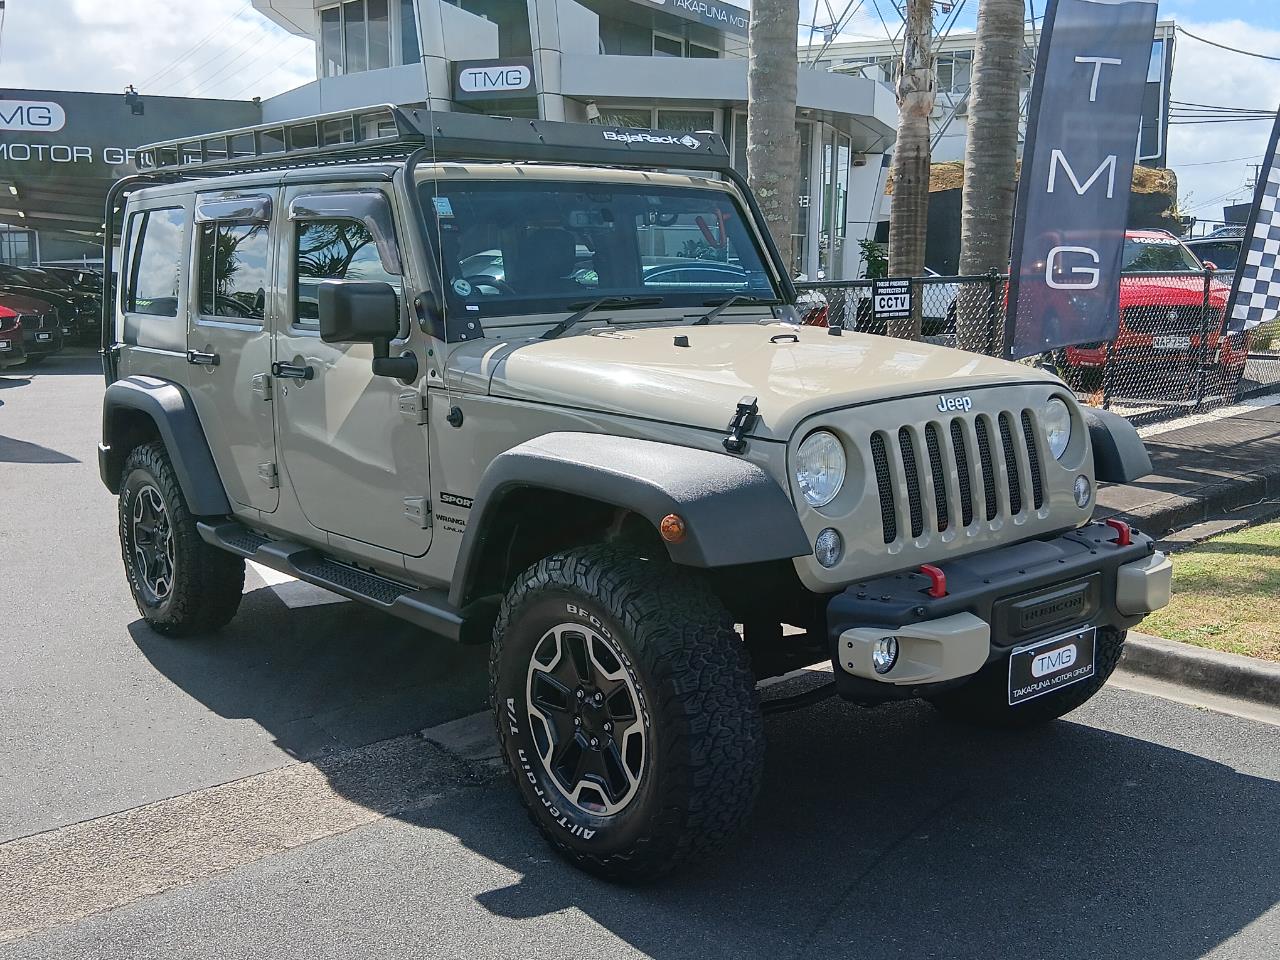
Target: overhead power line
{"type": "Point", "coordinates": [1223, 46]}
{"type": "Point", "coordinates": [1210, 163]}
{"type": "Point", "coordinates": [182, 58]}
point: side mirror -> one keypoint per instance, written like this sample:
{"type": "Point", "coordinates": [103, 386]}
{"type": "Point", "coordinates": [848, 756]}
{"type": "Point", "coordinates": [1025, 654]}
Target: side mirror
{"type": "Point", "coordinates": [353, 311]}
{"type": "Point", "coordinates": [357, 312]}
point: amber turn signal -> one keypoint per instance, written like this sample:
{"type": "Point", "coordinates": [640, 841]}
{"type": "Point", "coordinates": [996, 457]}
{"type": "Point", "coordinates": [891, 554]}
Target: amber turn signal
{"type": "Point", "coordinates": [672, 528]}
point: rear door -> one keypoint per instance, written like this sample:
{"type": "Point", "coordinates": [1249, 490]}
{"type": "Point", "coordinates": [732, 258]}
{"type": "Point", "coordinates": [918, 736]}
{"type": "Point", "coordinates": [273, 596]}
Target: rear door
{"type": "Point", "coordinates": [353, 445]}
{"type": "Point", "coordinates": [229, 340]}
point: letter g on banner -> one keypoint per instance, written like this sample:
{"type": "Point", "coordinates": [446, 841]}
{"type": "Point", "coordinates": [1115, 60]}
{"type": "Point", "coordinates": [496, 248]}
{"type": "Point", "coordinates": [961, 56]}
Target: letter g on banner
{"type": "Point", "coordinates": [1053, 265]}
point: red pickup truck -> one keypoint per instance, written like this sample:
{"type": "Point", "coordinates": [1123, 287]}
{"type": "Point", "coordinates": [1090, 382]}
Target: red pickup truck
{"type": "Point", "coordinates": [1163, 316]}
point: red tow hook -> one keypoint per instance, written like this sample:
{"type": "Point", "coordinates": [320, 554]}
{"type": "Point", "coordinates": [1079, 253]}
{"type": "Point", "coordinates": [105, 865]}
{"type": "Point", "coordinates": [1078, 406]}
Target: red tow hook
{"type": "Point", "coordinates": [1124, 536]}
{"type": "Point", "coordinates": [937, 580]}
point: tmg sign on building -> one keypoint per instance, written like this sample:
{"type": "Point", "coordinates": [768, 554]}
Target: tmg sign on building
{"type": "Point", "coordinates": [493, 79]}
{"type": "Point", "coordinates": [1073, 196]}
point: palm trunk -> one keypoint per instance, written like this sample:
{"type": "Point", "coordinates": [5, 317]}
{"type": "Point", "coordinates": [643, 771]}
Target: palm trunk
{"type": "Point", "coordinates": [909, 215]}
{"type": "Point", "coordinates": [771, 116]}
{"type": "Point", "coordinates": [990, 157]}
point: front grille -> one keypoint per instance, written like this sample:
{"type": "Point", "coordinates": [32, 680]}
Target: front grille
{"type": "Point", "coordinates": [1157, 319]}
{"type": "Point", "coordinates": [931, 476]}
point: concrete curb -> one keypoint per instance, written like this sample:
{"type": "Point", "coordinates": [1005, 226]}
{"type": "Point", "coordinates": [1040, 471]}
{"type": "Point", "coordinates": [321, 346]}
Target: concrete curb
{"type": "Point", "coordinates": [1226, 674]}
{"type": "Point", "coordinates": [1176, 512]}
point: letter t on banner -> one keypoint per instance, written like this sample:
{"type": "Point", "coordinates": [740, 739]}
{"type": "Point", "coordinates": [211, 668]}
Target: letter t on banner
{"type": "Point", "coordinates": [1077, 168]}
{"type": "Point", "coordinates": [1255, 292]}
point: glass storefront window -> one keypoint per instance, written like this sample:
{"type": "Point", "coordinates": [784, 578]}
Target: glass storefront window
{"type": "Point", "coordinates": [355, 33]}
{"type": "Point", "coordinates": [685, 120]}
{"type": "Point", "coordinates": [331, 41]}
{"type": "Point", "coordinates": [379, 35]}
{"type": "Point", "coordinates": [664, 46]}
{"type": "Point", "coordinates": [409, 32]}
{"type": "Point", "coordinates": [639, 117]}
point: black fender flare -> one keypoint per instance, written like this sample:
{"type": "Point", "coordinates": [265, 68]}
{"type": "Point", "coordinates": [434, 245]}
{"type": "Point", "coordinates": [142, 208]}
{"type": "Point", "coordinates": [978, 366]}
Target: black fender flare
{"type": "Point", "coordinates": [1119, 455]}
{"type": "Point", "coordinates": [170, 408]}
{"type": "Point", "coordinates": [733, 511]}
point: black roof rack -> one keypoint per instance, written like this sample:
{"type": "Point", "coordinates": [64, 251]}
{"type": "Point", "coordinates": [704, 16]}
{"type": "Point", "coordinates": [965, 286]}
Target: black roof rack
{"type": "Point", "coordinates": [390, 132]}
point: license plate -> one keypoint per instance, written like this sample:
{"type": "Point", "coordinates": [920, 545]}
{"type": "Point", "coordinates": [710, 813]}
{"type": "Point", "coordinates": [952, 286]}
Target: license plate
{"type": "Point", "coordinates": [1048, 665]}
{"type": "Point", "coordinates": [66, 331]}
{"type": "Point", "coordinates": [1171, 343]}
{"type": "Point", "coordinates": [42, 337]}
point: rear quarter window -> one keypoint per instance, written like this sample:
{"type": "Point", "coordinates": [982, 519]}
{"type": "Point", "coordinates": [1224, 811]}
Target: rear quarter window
{"type": "Point", "coordinates": [156, 255]}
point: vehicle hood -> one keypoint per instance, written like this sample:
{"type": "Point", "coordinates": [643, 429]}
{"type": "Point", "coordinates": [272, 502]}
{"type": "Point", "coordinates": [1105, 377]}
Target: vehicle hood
{"type": "Point", "coordinates": [793, 372]}
{"type": "Point", "coordinates": [24, 304]}
{"type": "Point", "coordinates": [1171, 291]}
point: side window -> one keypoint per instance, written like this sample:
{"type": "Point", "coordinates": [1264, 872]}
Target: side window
{"type": "Point", "coordinates": [233, 270]}
{"type": "Point", "coordinates": [156, 263]}
{"type": "Point", "coordinates": [333, 250]}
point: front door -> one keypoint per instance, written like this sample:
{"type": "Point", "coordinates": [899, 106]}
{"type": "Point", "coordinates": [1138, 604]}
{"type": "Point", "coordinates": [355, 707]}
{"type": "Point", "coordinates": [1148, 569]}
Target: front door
{"type": "Point", "coordinates": [353, 445]}
{"type": "Point", "coordinates": [229, 340]}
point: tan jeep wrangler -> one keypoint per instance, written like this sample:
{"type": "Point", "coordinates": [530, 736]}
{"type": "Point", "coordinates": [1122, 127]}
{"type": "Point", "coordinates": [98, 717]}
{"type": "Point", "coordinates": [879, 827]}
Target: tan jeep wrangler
{"type": "Point", "coordinates": [541, 386]}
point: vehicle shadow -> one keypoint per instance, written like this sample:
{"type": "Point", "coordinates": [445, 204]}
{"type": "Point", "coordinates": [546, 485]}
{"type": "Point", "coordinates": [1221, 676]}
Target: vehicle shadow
{"type": "Point", "coordinates": [322, 678]}
{"type": "Point", "coordinates": [9, 381]}
{"type": "Point", "coordinates": [879, 833]}
{"type": "Point", "coordinates": [23, 451]}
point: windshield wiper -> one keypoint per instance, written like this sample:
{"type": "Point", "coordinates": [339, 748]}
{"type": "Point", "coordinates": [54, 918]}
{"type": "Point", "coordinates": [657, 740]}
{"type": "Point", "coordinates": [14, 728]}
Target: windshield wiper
{"type": "Point", "coordinates": [722, 305]}
{"type": "Point", "coordinates": [591, 306]}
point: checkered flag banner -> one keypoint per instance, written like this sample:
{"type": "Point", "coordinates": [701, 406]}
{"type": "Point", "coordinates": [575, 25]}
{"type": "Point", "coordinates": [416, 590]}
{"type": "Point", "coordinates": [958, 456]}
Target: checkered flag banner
{"type": "Point", "coordinates": [1255, 293]}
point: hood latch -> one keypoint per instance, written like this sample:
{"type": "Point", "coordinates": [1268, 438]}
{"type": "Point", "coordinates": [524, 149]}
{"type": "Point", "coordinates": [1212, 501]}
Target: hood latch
{"type": "Point", "coordinates": [744, 418]}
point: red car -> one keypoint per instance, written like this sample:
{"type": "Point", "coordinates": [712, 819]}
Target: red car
{"type": "Point", "coordinates": [1163, 316]}
{"type": "Point", "coordinates": [40, 325]}
{"type": "Point", "coordinates": [12, 351]}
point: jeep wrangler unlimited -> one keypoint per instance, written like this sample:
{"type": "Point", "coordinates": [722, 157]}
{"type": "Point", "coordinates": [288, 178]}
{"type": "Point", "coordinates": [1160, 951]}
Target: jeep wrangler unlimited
{"type": "Point", "coordinates": [542, 386]}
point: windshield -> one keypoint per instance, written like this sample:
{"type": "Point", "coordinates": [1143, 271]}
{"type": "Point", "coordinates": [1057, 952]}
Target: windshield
{"type": "Point", "coordinates": [1222, 255]}
{"type": "Point", "coordinates": [518, 247]}
{"type": "Point", "coordinates": [1159, 254]}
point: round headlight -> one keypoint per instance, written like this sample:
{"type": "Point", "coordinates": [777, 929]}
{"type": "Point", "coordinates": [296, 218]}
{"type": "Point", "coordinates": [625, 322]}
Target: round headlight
{"type": "Point", "coordinates": [1057, 427]}
{"type": "Point", "coordinates": [820, 467]}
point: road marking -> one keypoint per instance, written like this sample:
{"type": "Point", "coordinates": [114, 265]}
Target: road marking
{"type": "Point", "coordinates": [64, 875]}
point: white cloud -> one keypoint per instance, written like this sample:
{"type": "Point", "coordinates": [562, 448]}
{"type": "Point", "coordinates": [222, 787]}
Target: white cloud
{"type": "Point", "coordinates": [102, 46]}
{"type": "Point", "coordinates": [1205, 74]}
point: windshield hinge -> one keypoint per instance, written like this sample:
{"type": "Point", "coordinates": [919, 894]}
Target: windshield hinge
{"type": "Point", "coordinates": [744, 418]}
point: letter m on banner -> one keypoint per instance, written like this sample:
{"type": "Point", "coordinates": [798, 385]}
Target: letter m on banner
{"type": "Point", "coordinates": [1077, 168]}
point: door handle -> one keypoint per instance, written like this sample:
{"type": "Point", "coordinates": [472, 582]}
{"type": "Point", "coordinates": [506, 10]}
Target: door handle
{"type": "Point", "coordinates": [202, 359]}
{"type": "Point", "coordinates": [292, 371]}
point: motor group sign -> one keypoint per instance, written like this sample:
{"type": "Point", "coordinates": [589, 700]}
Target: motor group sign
{"type": "Point", "coordinates": [891, 299]}
{"type": "Point", "coordinates": [493, 79]}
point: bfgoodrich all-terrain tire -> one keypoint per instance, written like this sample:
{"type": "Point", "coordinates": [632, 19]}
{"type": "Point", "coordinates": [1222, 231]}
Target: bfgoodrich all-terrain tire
{"type": "Point", "coordinates": [985, 699]}
{"type": "Point", "coordinates": [180, 584]}
{"type": "Point", "coordinates": [626, 711]}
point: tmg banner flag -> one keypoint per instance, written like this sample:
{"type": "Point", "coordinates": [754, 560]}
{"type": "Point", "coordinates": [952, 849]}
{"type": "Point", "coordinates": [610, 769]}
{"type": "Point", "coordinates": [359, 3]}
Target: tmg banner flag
{"type": "Point", "coordinates": [1255, 292]}
{"type": "Point", "coordinates": [1077, 168]}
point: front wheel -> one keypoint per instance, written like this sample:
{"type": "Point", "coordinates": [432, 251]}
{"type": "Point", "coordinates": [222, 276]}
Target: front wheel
{"type": "Point", "coordinates": [181, 584]}
{"type": "Point", "coordinates": [984, 699]}
{"type": "Point", "coordinates": [626, 711]}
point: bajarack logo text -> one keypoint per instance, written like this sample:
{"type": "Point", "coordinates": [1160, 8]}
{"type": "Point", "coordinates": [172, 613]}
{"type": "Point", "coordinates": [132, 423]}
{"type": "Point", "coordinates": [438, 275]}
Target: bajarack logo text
{"type": "Point", "coordinates": [693, 143]}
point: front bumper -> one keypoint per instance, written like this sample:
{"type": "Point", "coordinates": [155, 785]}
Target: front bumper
{"type": "Point", "coordinates": [36, 347]}
{"type": "Point", "coordinates": [995, 601]}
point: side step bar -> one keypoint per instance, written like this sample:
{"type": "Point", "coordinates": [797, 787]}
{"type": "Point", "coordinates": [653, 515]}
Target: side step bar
{"type": "Point", "coordinates": [423, 606]}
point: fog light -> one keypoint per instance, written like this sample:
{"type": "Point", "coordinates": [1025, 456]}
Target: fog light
{"type": "Point", "coordinates": [1083, 491]}
{"type": "Point", "coordinates": [884, 654]}
{"type": "Point", "coordinates": [829, 547]}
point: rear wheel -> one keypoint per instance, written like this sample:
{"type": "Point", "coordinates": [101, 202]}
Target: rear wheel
{"type": "Point", "coordinates": [181, 584]}
{"type": "Point", "coordinates": [626, 711]}
{"type": "Point", "coordinates": [985, 699]}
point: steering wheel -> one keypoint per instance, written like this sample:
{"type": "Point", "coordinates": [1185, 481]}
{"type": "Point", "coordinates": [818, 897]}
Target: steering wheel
{"type": "Point", "coordinates": [481, 280]}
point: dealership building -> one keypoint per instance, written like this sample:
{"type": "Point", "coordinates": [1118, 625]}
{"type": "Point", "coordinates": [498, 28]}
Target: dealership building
{"type": "Point", "coordinates": [666, 64]}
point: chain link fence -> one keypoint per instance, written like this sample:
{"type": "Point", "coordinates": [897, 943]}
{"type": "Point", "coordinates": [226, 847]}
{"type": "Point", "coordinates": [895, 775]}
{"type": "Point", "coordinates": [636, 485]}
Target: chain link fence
{"type": "Point", "coordinates": [1169, 358]}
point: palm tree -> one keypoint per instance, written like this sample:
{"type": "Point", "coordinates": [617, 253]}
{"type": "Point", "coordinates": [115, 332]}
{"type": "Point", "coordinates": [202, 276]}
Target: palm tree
{"type": "Point", "coordinates": [909, 215]}
{"type": "Point", "coordinates": [990, 157]}
{"type": "Point", "coordinates": [771, 116]}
